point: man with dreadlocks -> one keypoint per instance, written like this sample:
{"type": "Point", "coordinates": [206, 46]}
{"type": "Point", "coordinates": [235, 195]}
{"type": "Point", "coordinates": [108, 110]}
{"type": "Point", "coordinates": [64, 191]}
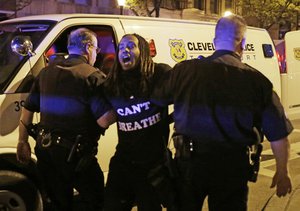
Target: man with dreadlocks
{"type": "Point", "coordinates": [143, 131]}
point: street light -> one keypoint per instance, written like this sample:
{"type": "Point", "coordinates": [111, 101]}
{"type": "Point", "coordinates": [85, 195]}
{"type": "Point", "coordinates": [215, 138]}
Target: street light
{"type": "Point", "coordinates": [227, 13]}
{"type": "Point", "coordinates": [121, 5]}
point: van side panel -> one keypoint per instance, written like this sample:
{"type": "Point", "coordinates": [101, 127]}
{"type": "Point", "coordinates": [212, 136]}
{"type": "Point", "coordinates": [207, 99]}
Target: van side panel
{"type": "Point", "coordinates": [177, 41]}
{"type": "Point", "coordinates": [291, 79]}
{"type": "Point", "coordinates": [174, 41]}
{"type": "Point", "coordinates": [254, 56]}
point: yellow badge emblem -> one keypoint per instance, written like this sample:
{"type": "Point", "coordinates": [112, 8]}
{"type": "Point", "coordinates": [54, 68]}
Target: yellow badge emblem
{"type": "Point", "coordinates": [297, 53]}
{"type": "Point", "coordinates": [177, 50]}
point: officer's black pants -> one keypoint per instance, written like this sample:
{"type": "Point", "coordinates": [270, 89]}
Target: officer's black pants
{"type": "Point", "coordinates": [127, 185]}
{"type": "Point", "coordinates": [222, 177]}
{"type": "Point", "coordinates": [60, 178]}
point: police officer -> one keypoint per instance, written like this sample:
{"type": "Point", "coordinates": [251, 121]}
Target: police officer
{"type": "Point", "coordinates": [68, 96]}
{"type": "Point", "coordinates": [222, 107]}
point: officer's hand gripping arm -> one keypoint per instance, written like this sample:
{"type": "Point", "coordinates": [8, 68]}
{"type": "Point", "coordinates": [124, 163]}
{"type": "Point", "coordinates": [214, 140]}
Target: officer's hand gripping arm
{"type": "Point", "coordinates": [106, 120]}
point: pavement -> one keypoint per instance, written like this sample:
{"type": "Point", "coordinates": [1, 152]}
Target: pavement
{"type": "Point", "coordinates": [262, 198]}
{"type": "Point", "coordinates": [290, 202]}
{"type": "Point", "coordinates": [265, 199]}
{"type": "Point", "coordinates": [268, 200]}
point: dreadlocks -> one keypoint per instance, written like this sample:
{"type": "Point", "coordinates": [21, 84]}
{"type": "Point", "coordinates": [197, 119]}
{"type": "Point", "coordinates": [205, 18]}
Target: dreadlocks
{"type": "Point", "coordinates": [145, 68]}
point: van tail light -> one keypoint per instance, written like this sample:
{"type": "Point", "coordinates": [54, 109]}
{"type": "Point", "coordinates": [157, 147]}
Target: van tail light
{"type": "Point", "coordinates": [280, 52]}
{"type": "Point", "coordinates": [281, 62]}
{"type": "Point", "coordinates": [152, 48]}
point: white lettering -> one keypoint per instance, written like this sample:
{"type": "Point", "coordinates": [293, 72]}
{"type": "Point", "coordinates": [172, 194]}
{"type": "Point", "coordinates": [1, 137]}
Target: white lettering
{"type": "Point", "coordinates": [120, 111]}
{"type": "Point", "coordinates": [158, 117]}
{"type": "Point", "coordinates": [151, 120]}
{"type": "Point", "coordinates": [146, 105]}
{"type": "Point", "coordinates": [144, 122]}
{"type": "Point", "coordinates": [134, 109]}
{"type": "Point", "coordinates": [128, 112]}
{"type": "Point", "coordinates": [138, 125]}
{"type": "Point", "coordinates": [129, 126]}
{"type": "Point", "coordinates": [122, 126]}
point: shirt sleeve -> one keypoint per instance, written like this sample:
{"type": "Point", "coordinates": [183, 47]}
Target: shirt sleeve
{"type": "Point", "coordinates": [274, 122]}
{"type": "Point", "coordinates": [32, 103]}
{"type": "Point", "coordinates": [163, 88]}
{"type": "Point", "coordinates": [96, 79]}
{"type": "Point", "coordinates": [99, 105]}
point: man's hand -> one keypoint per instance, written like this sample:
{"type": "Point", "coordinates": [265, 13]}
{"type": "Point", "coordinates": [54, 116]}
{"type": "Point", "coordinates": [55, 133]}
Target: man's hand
{"type": "Point", "coordinates": [283, 184]}
{"type": "Point", "coordinates": [23, 148]}
{"type": "Point", "coordinates": [23, 152]}
{"type": "Point", "coordinates": [281, 178]}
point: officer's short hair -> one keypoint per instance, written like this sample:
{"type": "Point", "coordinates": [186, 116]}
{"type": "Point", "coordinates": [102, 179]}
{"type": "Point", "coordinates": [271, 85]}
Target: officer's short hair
{"type": "Point", "coordinates": [78, 39]}
{"type": "Point", "coordinates": [231, 28]}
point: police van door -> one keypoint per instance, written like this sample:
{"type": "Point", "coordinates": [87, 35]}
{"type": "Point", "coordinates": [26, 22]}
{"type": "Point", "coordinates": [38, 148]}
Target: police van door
{"type": "Point", "coordinates": [15, 83]}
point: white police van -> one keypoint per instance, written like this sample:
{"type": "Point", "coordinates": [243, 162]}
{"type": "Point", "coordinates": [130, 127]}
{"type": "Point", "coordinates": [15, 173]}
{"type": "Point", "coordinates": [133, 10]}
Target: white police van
{"type": "Point", "coordinates": [171, 41]}
{"type": "Point", "coordinates": [289, 57]}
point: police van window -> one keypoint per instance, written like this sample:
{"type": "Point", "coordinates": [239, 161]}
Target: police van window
{"type": "Point", "coordinates": [106, 42]}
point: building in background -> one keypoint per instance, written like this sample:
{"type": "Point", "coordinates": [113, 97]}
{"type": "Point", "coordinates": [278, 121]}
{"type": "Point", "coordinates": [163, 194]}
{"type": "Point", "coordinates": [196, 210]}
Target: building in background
{"type": "Point", "coordinates": [22, 8]}
{"type": "Point", "coordinates": [182, 9]}
{"type": "Point", "coordinates": [7, 9]}
{"type": "Point", "coordinates": [205, 10]}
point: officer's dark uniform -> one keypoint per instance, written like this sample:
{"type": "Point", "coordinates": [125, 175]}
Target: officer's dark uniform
{"type": "Point", "coordinates": [64, 96]}
{"type": "Point", "coordinates": [216, 107]}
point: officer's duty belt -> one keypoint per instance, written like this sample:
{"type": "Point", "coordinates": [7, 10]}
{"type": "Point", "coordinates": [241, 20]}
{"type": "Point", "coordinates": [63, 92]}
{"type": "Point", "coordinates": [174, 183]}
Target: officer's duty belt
{"type": "Point", "coordinates": [46, 139]}
{"type": "Point", "coordinates": [187, 146]}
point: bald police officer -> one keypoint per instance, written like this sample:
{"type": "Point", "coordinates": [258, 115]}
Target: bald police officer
{"type": "Point", "coordinates": [221, 108]}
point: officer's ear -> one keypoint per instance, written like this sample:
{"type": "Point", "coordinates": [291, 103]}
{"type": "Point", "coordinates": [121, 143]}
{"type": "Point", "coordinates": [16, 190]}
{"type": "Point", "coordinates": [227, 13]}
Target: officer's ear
{"type": "Point", "coordinates": [243, 43]}
{"type": "Point", "coordinates": [87, 48]}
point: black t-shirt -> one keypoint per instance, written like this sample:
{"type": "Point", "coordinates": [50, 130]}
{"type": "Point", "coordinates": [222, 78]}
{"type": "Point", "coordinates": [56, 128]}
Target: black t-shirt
{"type": "Point", "coordinates": [69, 97]}
{"type": "Point", "coordinates": [143, 129]}
{"type": "Point", "coordinates": [221, 102]}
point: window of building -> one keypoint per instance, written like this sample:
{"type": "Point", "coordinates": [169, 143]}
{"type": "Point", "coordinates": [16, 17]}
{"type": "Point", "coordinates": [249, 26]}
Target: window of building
{"type": "Point", "coordinates": [64, 1]}
{"type": "Point", "coordinates": [107, 3]}
{"type": "Point", "coordinates": [167, 4]}
{"type": "Point", "coordinates": [200, 4]}
{"type": "Point", "coordinates": [214, 6]}
{"type": "Point", "coordinates": [181, 4]}
{"type": "Point", "coordinates": [174, 4]}
{"type": "Point", "coordinates": [83, 2]}
{"type": "Point", "coordinates": [228, 4]}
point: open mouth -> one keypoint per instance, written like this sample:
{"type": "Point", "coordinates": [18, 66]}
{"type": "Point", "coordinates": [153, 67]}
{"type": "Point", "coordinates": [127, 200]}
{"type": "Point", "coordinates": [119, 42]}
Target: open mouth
{"type": "Point", "coordinates": [126, 59]}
